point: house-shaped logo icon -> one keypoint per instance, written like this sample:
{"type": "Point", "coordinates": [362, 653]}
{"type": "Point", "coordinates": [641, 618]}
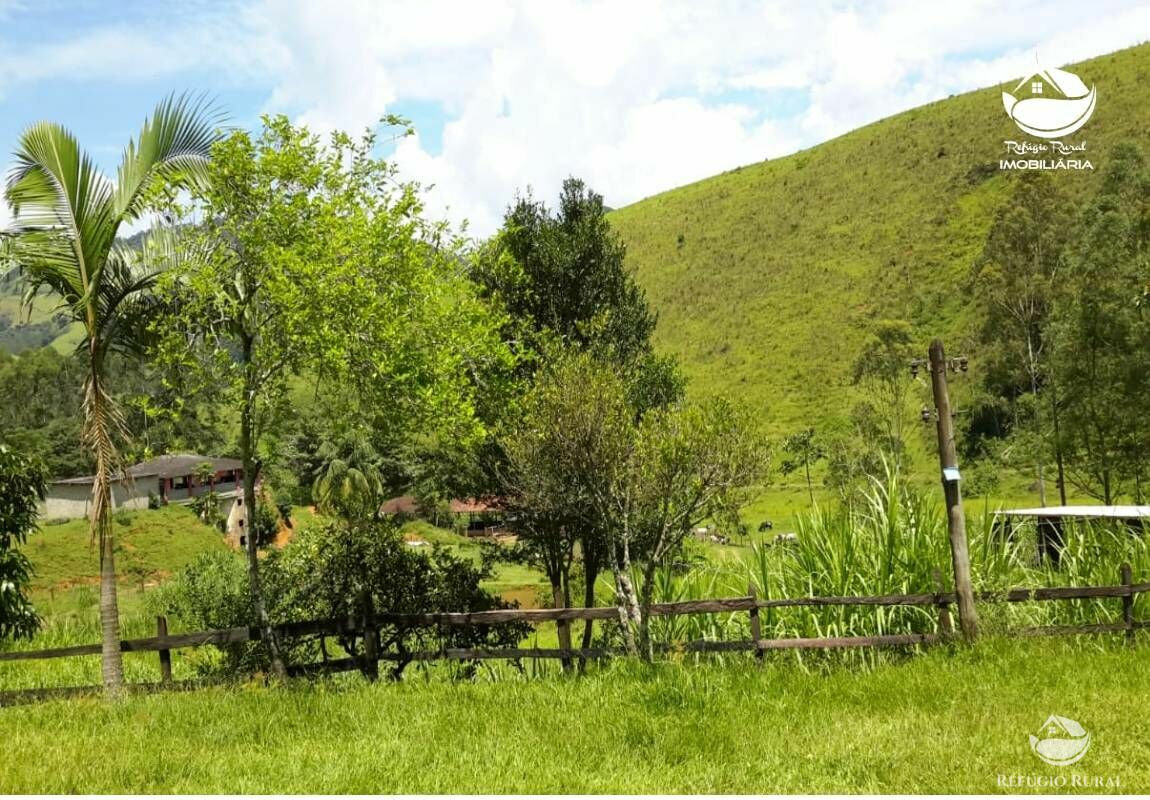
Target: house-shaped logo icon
{"type": "Point", "coordinates": [1061, 742]}
{"type": "Point", "coordinates": [1050, 104]}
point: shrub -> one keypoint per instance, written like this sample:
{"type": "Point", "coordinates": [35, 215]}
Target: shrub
{"type": "Point", "coordinates": [339, 569]}
{"type": "Point", "coordinates": [22, 485]}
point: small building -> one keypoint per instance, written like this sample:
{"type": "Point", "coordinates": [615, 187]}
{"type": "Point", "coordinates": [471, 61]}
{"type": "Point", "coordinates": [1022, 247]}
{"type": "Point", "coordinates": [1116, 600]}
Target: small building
{"type": "Point", "coordinates": [170, 479]}
{"type": "Point", "coordinates": [1050, 523]}
{"type": "Point", "coordinates": [476, 516]}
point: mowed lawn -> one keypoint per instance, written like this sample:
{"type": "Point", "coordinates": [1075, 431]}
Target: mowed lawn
{"type": "Point", "coordinates": [952, 720]}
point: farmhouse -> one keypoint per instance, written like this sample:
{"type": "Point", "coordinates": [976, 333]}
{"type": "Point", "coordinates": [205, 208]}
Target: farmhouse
{"type": "Point", "coordinates": [169, 479]}
{"type": "Point", "coordinates": [475, 515]}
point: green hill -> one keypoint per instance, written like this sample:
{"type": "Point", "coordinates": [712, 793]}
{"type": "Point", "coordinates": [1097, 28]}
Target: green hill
{"type": "Point", "coordinates": [766, 277]}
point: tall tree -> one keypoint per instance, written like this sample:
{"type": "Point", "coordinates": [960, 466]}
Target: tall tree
{"type": "Point", "coordinates": [803, 449]}
{"type": "Point", "coordinates": [563, 279]}
{"type": "Point", "coordinates": [687, 465]}
{"type": "Point", "coordinates": [319, 268]}
{"type": "Point", "coordinates": [1016, 280]}
{"type": "Point", "coordinates": [1102, 336]}
{"type": "Point", "coordinates": [562, 457]}
{"type": "Point", "coordinates": [564, 272]}
{"type": "Point", "coordinates": [881, 370]}
{"type": "Point", "coordinates": [68, 217]}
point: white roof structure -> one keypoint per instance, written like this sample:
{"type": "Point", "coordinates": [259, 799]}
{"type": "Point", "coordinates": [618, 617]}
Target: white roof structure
{"type": "Point", "coordinates": [1079, 512]}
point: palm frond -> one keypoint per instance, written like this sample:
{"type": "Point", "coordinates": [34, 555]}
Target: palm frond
{"type": "Point", "coordinates": [63, 206]}
{"type": "Point", "coordinates": [174, 146]}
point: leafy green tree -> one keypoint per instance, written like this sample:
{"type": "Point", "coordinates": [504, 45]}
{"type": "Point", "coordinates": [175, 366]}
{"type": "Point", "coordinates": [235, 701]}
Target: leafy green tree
{"type": "Point", "coordinates": [350, 481]}
{"type": "Point", "coordinates": [317, 267]}
{"type": "Point", "coordinates": [881, 370]}
{"type": "Point", "coordinates": [561, 460]}
{"type": "Point", "coordinates": [1102, 336]}
{"type": "Point", "coordinates": [22, 487]}
{"type": "Point", "coordinates": [687, 465]}
{"type": "Point", "coordinates": [803, 450]}
{"type": "Point", "coordinates": [1016, 281]}
{"type": "Point", "coordinates": [564, 272]}
{"type": "Point", "coordinates": [587, 471]}
{"type": "Point", "coordinates": [68, 216]}
{"type": "Point", "coordinates": [562, 277]}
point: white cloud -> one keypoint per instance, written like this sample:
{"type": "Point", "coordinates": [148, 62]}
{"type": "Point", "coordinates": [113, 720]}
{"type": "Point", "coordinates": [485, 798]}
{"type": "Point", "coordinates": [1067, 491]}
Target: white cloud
{"type": "Point", "coordinates": [635, 97]}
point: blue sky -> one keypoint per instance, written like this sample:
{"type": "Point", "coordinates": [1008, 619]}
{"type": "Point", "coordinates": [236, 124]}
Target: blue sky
{"type": "Point", "coordinates": [634, 97]}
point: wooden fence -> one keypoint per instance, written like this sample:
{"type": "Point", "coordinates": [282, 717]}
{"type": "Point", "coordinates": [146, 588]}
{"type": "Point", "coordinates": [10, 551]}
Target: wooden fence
{"type": "Point", "coordinates": [163, 642]}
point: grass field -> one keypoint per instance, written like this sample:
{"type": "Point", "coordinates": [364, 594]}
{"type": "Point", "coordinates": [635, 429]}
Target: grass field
{"type": "Point", "coordinates": [948, 721]}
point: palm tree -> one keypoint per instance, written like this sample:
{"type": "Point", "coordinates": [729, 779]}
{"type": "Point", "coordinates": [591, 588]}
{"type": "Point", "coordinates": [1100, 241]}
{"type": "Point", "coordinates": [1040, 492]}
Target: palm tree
{"type": "Point", "coordinates": [64, 239]}
{"type": "Point", "coordinates": [350, 479]}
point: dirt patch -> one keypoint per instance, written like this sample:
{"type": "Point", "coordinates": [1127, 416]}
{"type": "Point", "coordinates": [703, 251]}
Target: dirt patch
{"type": "Point", "coordinates": [528, 596]}
{"type": "Point", "coordinates": [283, 535]}
{"type": "Point", "coordinates": [70, 583]}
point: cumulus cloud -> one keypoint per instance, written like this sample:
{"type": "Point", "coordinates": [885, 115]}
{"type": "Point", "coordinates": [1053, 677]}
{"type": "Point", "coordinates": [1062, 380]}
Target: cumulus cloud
{"type": "Point", "coordinates": [641, 97]}
{"type": "Point", "coordinates": [634, 97]}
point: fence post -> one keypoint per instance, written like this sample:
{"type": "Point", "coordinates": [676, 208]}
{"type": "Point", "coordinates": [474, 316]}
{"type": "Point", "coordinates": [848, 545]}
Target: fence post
{"type": "Point", "coordinates": [945, 623]}
{"type": "Point", "coordinates": [562, 627]}
{"type": "Point", "coordinates": [756, 626]}
{"type": "Point", "coordinates": [1128, 603]}
{"type": "Point", "coordinates": [165, 655]}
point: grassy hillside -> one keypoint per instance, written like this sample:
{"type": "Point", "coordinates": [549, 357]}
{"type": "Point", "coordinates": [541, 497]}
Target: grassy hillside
{"type": "Point", "coordinates": [150, 545]}
{"type": "Point", "coordinates": [766, 277]}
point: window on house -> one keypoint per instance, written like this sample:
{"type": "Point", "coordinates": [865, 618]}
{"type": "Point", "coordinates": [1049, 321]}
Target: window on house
{"type": "Point", "coordinates": [1036, 88]}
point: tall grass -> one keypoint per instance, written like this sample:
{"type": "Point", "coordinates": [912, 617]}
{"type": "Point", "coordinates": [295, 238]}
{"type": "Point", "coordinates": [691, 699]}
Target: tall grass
{"type": "Point", "coordinates": [894, 540]}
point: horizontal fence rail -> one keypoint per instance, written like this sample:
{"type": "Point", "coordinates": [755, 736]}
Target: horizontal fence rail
{"type": "Point", "coordinates": [164, 643]}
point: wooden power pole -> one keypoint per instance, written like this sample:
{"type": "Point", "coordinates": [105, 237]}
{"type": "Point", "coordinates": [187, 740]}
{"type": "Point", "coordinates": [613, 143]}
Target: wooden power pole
{"type": "Point", "coordinates": [955, 517]}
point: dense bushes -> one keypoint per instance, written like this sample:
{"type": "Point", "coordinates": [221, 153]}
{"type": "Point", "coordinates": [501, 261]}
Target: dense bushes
{"type": "Point", "coordinates": [21, 488]}
{"type": "Point", "coordinates": [339, 570]}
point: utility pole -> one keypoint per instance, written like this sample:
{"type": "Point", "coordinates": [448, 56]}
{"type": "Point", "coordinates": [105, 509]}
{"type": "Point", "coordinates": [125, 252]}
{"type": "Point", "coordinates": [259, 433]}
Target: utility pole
{"type": "Point", "coordinates": [955, 517]}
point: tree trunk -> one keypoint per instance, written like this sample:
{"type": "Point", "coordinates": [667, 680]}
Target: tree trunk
{"type": "Point", "coordinates": [1058, 446]}
{"type": "Point", "coordinates": [247, 454]}
{"type": "Point", "coordinates": [591, 575]}
{"type": "Point", "coordinates": [112, 664]}
{"type": "Point", "coordinates": [646, 646]}
{"type": "Point", "coordinates": [629, 614]}
{"type": "Point", "coordinates": [559, 600]}
{"type": "Point", "coordinates": [1033, 370]}
{"type": "Point", "coordinates": [99, 421]}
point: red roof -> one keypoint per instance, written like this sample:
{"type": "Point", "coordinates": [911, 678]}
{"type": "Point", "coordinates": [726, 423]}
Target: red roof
{"type": "Point", "coordinates": [474, 505]}
{"type": "Point", "coordinates": [471, 505]}
{"type": "Point", "coordinates": [399, 505]}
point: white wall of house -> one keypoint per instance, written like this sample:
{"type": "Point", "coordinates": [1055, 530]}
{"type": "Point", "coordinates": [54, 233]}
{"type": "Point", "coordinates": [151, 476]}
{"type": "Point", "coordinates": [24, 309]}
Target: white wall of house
{"type": "Point", "coordinates": [237, 520]}
{"type": "Point", "coordinates": [71, 500]}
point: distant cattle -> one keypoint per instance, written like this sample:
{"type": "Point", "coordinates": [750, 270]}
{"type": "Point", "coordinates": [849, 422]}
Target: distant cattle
{"type": "Point", "coordinates": [766, 525]}
{"type": "Point", "coordinates": [786, 538]}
